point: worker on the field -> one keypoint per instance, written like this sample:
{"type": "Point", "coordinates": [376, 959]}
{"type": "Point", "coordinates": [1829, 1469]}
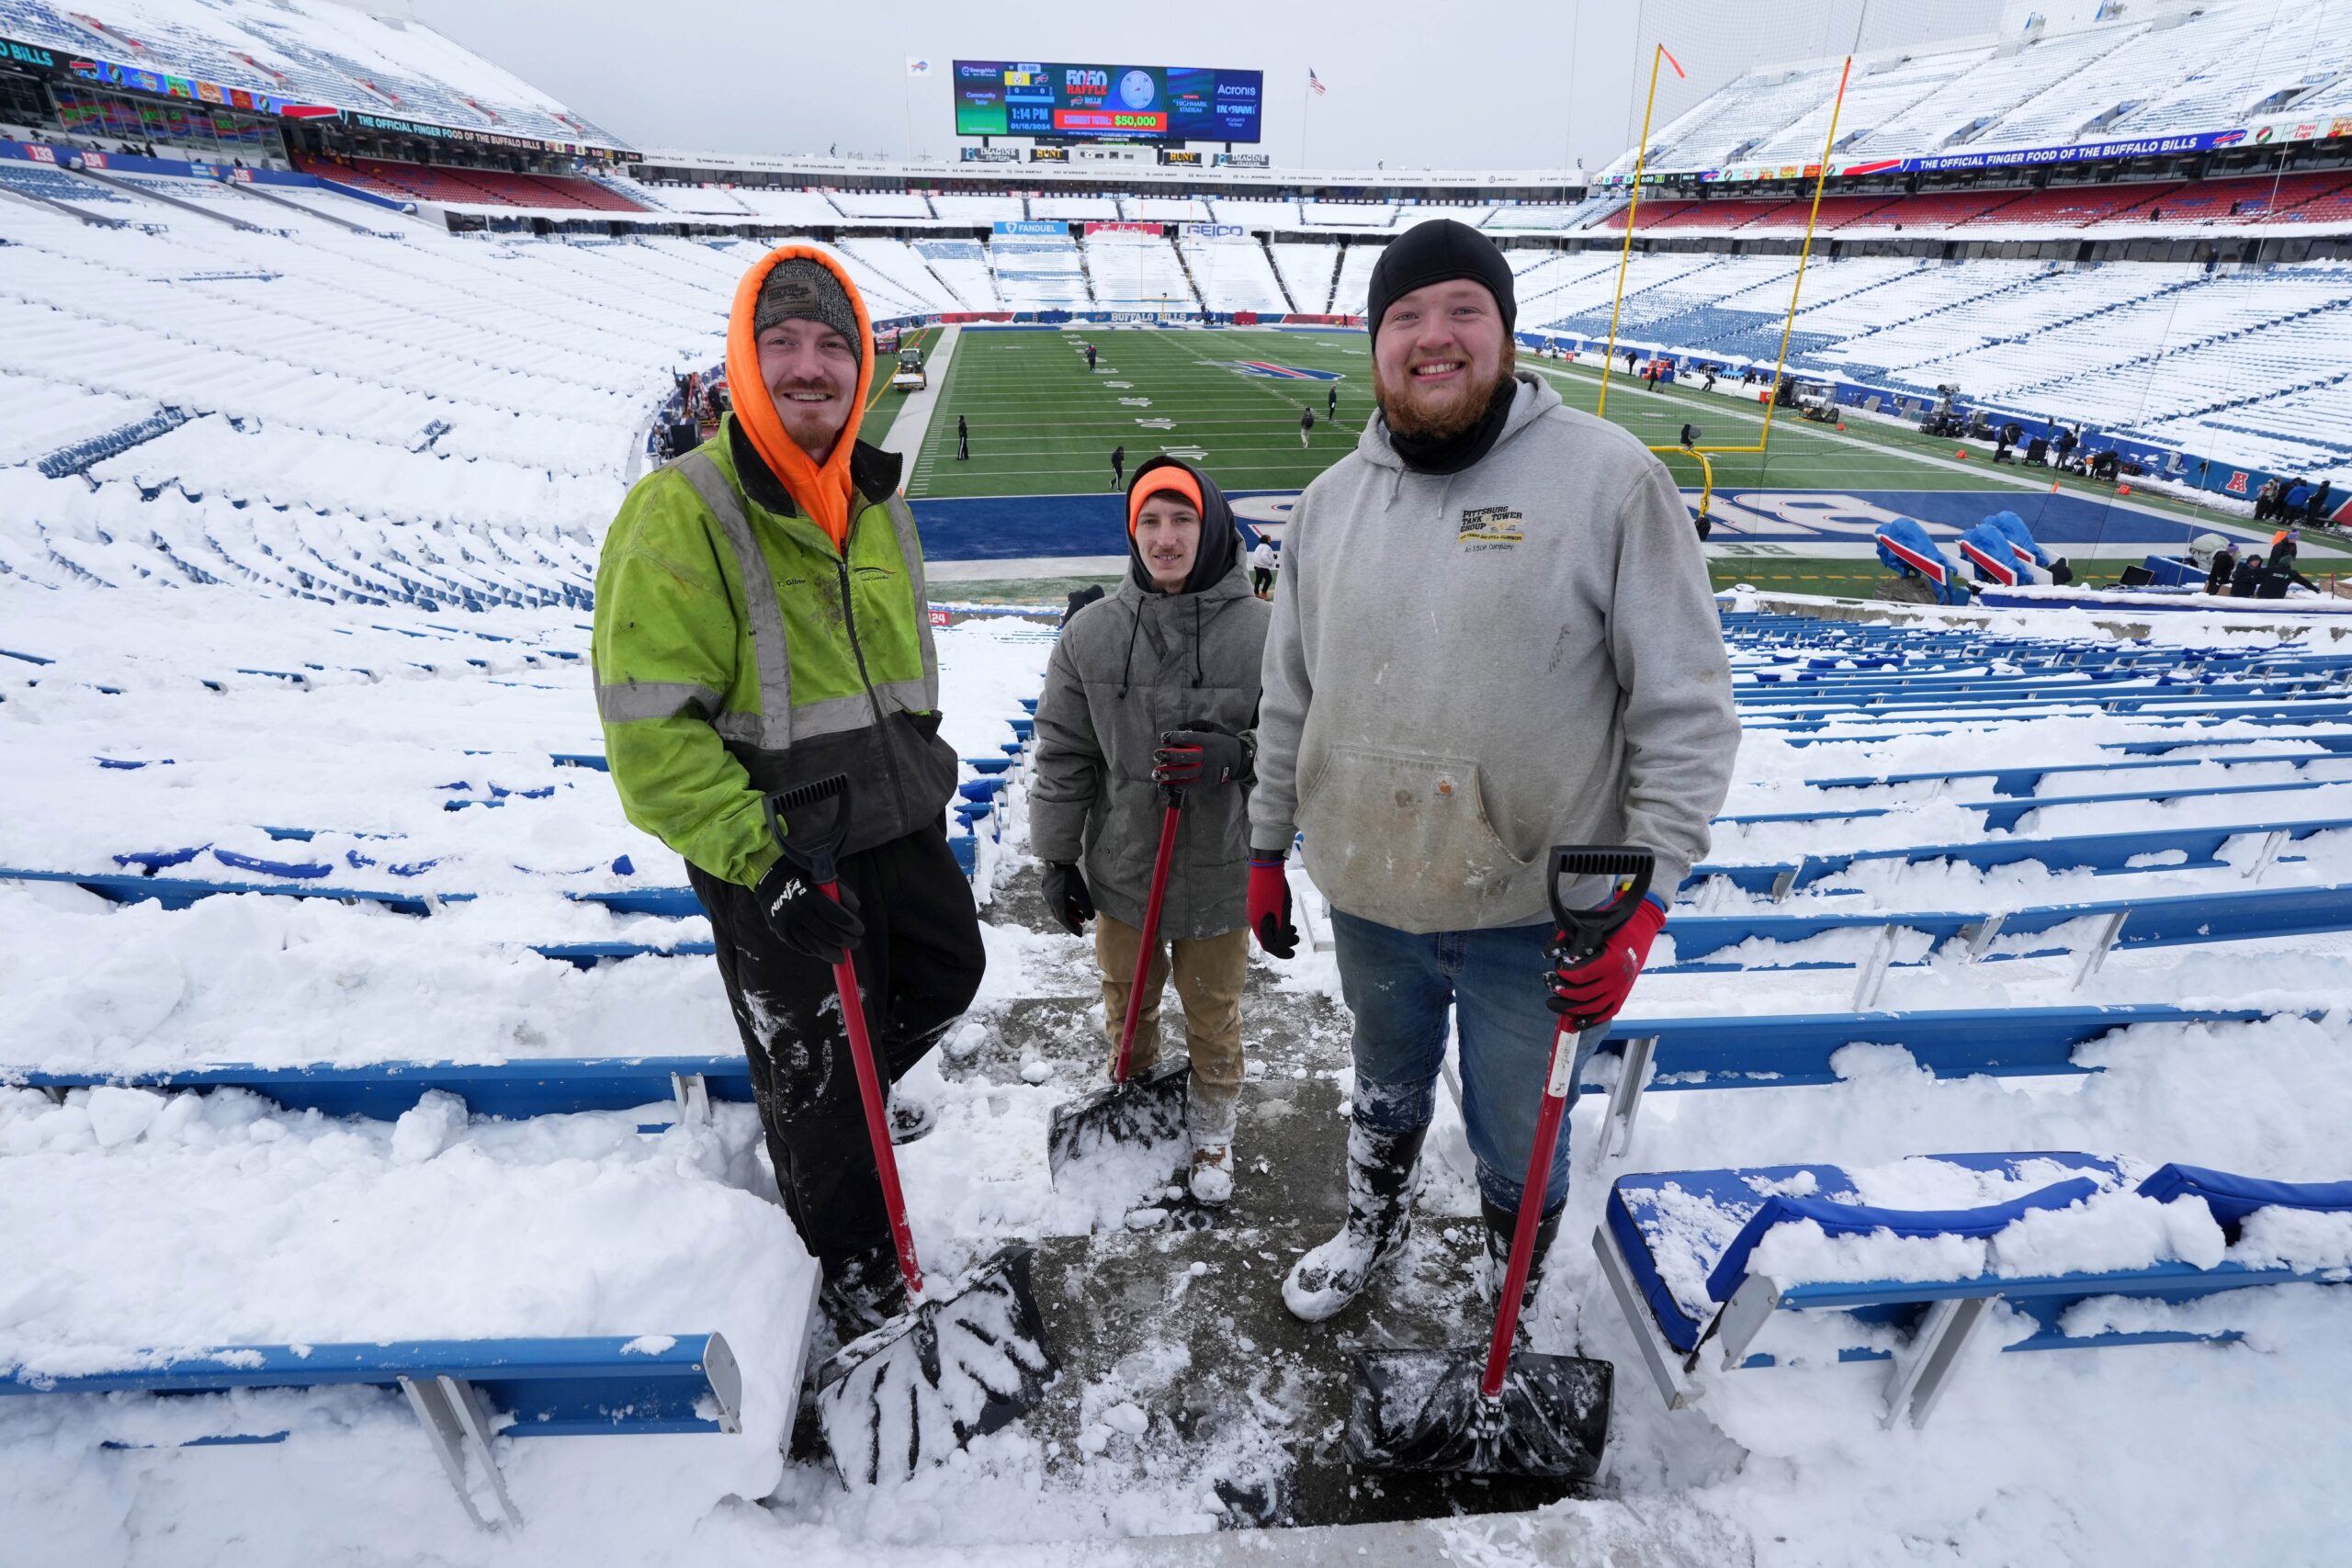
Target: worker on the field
{"type": "Point", "coordinates": [761, 625]}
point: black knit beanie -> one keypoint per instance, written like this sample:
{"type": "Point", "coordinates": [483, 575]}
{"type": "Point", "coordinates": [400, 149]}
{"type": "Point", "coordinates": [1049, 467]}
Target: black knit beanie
{"type": "Point", "coordinates": [1439, 252]}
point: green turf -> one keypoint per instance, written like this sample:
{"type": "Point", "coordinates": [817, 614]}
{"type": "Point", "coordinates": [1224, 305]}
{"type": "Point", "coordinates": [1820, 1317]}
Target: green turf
{"type": "Point", "coordinates": [1042, 425]}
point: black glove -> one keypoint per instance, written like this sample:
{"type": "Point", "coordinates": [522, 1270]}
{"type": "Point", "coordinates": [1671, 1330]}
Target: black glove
{"type": "Point", "coordinates": [1198, 756]}
{"type": "Point", "coordinates": [1067, 899]}
{"type": "Point", "coordinates": [804, 918]}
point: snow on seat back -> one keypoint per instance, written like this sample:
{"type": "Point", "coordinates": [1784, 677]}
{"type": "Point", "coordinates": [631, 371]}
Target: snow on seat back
{"type": "Point", "coordinates": [2233, 1198]}
{"type": "Point", "coordinates": [1837, 1218]}
{"type": "Point", "coordinates": [1674, 1227]}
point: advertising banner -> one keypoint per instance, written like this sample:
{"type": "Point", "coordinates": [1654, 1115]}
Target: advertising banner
{"type": "Point", "coordinates": [1032, 226]}
{"type": "Point", "coordinates": [1152, 228]}
{"type": "Point", "coordinates": [1049, 154]}
{"type": "Point", "coordinates": [1215, 230]}
{"type": "Point", "coordinates": [1007, 98]}
{"type": "Point", "coordinates": [991, 156]}
{"type": "Point", "coordinates": [1242, 161]}
{"type": "Point", "coordinates": [1180, 155]}
{"type": "Point", "coordinates": [2260, 134]}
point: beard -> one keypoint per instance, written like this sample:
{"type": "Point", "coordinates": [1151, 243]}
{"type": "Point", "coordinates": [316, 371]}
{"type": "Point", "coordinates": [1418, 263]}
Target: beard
{"type": "Point", "coordinates": [812, 426]}
{"type": "Point", "coordinates": [1440, 416]}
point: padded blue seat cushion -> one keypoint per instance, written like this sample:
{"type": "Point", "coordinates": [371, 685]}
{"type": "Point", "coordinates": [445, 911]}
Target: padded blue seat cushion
{"type": "Point", "coordinates": [2232, 1198]}
{"type": "Point", "coordinates": [1675, 1227]}
{"type": "Point", "coordinates": [1859, 1219]}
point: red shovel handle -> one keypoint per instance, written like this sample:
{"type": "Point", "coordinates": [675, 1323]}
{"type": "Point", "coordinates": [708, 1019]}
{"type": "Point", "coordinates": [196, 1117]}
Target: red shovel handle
{"type": "Point", "coordinates": [1557, 1090]}
{"type": "Point", "coordinates": [1151, 933]}
{"type": "Point", "coordinates": [877, 1122]}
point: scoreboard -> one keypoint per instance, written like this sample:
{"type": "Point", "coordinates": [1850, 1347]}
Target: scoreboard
{"type": "Point", "coordinates": [1144, 103]}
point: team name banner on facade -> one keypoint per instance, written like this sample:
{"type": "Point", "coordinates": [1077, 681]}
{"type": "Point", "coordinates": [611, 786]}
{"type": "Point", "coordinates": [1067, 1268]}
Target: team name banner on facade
{"type": "Point", "coordinates": [2263, 133]}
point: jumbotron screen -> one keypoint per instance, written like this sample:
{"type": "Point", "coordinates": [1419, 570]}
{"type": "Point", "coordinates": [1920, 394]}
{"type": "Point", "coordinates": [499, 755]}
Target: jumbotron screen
{"type": "Point", "coordinates": [1170, 103]}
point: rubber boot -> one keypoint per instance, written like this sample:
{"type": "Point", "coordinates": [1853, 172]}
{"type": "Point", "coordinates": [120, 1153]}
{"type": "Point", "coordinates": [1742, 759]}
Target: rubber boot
{"type": "Point", "coordinates": [1380, 1216]}
{"type": "Point", "coordinates": [1501, 1224]}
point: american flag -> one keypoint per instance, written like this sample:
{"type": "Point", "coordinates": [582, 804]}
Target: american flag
{"type": "Point", "coordinates": [1314, 81]}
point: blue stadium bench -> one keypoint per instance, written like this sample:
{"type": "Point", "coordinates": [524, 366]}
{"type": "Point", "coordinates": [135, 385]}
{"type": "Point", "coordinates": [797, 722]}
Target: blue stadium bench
{"type": "Point", "coordinates": [385, 1091]}
{"type": "Point", "coordinates": [2001, 816]}
{"type": "Point", "coordinates": [2109, 854]}
{"type": "Point", "coordinates": [2022, 779]}
{"type": "Point", "coordinates": [1652, 1235]}
{"type": "Point", "coordinates": [1794, 1050]}
{"type": "Point", "coordinates": [459, 1388]}
{"type": "Point", "coordinates": [178, 893]}
{"type": "Point", "coordinates": [2169, 921]}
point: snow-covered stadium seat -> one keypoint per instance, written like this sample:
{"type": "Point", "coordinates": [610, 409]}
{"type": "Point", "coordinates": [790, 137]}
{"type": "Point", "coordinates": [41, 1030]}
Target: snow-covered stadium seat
{"type": "Point", "coordinates": [1233, 273]}
{"type": "Point", "coordinates": [1812, 1264]}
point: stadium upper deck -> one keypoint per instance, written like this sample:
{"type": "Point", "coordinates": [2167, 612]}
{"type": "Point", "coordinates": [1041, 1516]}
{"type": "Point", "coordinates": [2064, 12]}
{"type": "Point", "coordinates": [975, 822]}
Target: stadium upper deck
{"type": "Point", "coordinates": [2152, 83]}
{"type": "Point", "coordinates": [299, 60]}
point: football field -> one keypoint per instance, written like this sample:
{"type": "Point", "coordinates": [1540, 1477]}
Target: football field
{"type": "Point", "coordinates": [1038, 484]}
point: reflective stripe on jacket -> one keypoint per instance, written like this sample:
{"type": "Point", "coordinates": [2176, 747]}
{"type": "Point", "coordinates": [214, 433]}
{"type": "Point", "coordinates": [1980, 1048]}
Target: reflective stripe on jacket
{"type": "Point", "coordinates": [738, 654]}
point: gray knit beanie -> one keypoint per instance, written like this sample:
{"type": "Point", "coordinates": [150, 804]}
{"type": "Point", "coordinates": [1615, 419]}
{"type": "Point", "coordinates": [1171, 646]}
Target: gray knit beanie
{"type": "Point", "coordinates": [798, 289]}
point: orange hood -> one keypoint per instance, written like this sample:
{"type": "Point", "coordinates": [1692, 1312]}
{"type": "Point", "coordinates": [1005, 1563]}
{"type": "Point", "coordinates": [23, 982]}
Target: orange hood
{"type": "Point", "coordinates": [821, 491]}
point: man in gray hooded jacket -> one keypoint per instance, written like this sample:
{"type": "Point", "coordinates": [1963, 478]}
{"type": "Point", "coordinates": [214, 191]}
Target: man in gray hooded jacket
{"type": "Point", "coordinates": [1495, 635]}
{"type": "Point", "coordinates": [1156, 686]}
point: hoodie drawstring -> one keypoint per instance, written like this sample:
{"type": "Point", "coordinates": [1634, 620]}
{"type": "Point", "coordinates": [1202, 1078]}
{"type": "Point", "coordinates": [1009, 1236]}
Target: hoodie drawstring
{"type": "Point", "coordinates": [1128, 668]}
{"type": "Point", "coordinates": [1198, 673]}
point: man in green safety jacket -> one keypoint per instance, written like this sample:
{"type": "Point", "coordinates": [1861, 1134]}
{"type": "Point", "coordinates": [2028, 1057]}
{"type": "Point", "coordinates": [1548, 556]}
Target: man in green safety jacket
{"type": "Point", "coordinates": [761, 624]}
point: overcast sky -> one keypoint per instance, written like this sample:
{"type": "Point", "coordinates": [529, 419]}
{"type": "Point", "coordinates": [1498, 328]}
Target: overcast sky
{"type": "Point", "coordinates": [1461, 83]}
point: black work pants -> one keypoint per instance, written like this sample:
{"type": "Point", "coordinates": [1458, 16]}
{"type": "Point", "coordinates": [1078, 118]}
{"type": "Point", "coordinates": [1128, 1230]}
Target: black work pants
{"type": "Point", "coordinates": [918, 966]}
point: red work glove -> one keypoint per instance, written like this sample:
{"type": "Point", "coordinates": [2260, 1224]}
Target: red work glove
{"type": "Point", "coordinates": [1593, 991]}
{"type": "Point", "coordinates": [1269, 907]}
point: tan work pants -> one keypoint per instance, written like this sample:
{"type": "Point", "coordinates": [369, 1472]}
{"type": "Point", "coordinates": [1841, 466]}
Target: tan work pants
{"type": "Point", "coordinates": [1208, 972]}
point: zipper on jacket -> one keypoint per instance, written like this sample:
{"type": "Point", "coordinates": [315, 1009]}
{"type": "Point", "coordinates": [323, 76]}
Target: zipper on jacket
{"type": "Point", "coordinates": [857, 649]}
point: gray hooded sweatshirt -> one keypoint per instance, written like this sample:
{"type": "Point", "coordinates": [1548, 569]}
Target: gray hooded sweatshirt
{"type": "Point", "coordinates": [1466, 669]}
{"type": "Point", "coordinates": [1126, 668]}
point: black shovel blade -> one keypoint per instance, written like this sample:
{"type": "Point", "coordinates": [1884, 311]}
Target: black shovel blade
{"type": "Point", "coordinates": [964, 1363]}
{"type": "Point", "coordinates": [1148, 1109]}
{"type": "Point", "coordinates": [1420, 1410]}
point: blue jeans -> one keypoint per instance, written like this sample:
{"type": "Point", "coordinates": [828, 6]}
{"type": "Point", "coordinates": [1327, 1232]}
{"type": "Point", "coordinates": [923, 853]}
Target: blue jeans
{"type": "Point", "coordinates": [1399, 985]}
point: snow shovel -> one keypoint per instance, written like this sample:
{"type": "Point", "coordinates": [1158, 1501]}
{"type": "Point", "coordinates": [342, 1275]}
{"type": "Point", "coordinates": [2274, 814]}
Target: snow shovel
{"type": "Point", "coordinates": [1146, 1108]}
{"type": "Point", "coordinates": [960, 1362]}
{"type": "Point", "coordinates": [1545, 1418]}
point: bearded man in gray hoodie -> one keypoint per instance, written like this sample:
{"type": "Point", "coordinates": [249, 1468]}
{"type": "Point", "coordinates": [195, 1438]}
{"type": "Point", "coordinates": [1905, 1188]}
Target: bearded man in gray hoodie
{"type": "Point", "coordinates": [1495, 635]}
